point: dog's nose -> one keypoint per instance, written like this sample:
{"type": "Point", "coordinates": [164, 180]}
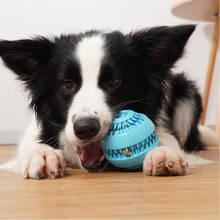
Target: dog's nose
{"type": "Point", "coordinates": [86, 128]}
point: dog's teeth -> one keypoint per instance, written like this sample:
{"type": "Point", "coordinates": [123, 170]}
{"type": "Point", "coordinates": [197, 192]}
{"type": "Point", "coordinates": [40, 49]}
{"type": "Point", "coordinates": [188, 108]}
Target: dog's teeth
{"type": "Point", "coordinates": [78, 150]}
{"type": "Point", "coordinates": [101, 159]}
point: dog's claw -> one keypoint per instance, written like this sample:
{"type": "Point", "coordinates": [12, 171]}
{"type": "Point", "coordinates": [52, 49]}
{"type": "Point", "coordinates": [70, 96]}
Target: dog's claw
{"type": "Point", "coordinates": [170, 164]}
{"type": "Point", "coordinates": [38, 176]}
{"type": "Point", "coordinates": [52, 175]}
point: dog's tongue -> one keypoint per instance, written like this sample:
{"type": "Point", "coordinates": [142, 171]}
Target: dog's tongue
{"type": "Point", "coordinates": [91, 153]}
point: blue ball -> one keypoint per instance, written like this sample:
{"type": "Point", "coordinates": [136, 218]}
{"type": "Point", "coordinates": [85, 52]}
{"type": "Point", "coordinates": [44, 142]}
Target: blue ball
{"type": "Point", "coordinates": [130, 137]}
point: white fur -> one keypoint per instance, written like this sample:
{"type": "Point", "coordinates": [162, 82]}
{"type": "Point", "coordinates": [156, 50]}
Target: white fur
{"type": "Point", "coordinates": [163, 118]}
{"type": "Point", "coordinates": [208, 136]}
{"type": "Point", "coordinates": [182, 120]}
{"type": "Point", "coordinates": [196, 159]}
{"type": "Point", "coordinates": [27, 144]}
{"type": "Point", "coordinates": [29, 139]}
{"type": "Point", "coordinates": [89, 53]}
{"type": "Point", "coordinates": [90, 99]}
{"type": "Point", "coordinates": [69, 151]}
{"type": "Point", "coordinates": [167, 139]}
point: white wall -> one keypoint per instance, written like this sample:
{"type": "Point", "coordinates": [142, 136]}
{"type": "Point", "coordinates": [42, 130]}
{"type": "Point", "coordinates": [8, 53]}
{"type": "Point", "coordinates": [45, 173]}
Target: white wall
{"type": "Point", "coordinates": [25, 18]}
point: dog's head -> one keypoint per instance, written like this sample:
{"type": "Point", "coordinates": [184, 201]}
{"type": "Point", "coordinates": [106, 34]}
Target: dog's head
{"type": "Point", "coordinates": [77, 83]}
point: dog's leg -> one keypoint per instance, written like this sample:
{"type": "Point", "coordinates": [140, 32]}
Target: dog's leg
{"type": "Point", "coordinates": [37, 160]}
{"type": "Point", "coordinates": [166, 159]}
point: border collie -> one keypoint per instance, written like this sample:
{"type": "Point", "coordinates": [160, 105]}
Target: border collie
{"type": "Point", "coordinates": [78, 82]}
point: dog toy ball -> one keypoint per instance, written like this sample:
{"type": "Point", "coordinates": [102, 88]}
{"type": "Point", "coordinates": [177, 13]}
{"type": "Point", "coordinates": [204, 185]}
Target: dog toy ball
{"type": "Point", "coordinates": [130, 137]}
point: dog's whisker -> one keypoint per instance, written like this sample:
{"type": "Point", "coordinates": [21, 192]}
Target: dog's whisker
{"type": "Point", "coordinates": [51, 140]}
{"type": "Point", "coordinates": [129, 102]}
{"type": "Point", "coordinates": [125, 103]}
{"type": "Point", "coordinates": [54, 142]}
{"type": "Point", "coordinates": [53, 123]}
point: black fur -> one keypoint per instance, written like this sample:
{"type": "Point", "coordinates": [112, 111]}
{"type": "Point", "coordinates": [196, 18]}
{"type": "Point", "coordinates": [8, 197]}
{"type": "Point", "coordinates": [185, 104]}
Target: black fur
{"type": "Point", "coordinates": [142, 61]}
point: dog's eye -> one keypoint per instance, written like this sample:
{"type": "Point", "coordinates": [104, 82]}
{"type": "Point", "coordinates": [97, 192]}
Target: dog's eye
{"type": "Point", "coordinates": [70, 85]}
{"type": "Point", "coordinates": [112, 84]}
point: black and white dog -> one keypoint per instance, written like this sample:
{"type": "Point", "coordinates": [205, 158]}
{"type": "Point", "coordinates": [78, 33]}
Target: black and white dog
{"type": "Point", "coordinates": [77, 83]}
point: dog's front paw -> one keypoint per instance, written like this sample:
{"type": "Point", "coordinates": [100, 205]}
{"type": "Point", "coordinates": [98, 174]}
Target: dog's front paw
{"type": "Point", "coordinates": [163, 161]}
{"type": "Point", "coordinates": [44, 161]}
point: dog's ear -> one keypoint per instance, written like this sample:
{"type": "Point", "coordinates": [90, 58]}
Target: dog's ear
{"type": "Point", "coordinates": [161, 46]}
{"type": "Point", "coordinates": [26, 57]}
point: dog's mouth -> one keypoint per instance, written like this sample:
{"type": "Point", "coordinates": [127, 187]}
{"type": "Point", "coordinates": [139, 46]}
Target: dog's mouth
{"type": "Point", "coordinates": [91, 156]}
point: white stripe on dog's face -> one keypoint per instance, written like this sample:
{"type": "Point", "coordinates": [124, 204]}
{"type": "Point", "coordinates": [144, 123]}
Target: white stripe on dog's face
{"type": "Point", "coordinates": [90, 99]}
{"type": "Point", "coordinates": [90, 53]}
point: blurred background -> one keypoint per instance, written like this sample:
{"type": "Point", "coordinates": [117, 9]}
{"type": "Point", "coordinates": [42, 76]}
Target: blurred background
{"type": "Point", "coordinates": [26, 18]}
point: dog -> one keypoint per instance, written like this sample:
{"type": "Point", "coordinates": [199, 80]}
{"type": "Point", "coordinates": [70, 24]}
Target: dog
{"type": "Point", "coordinates": [77, 83]}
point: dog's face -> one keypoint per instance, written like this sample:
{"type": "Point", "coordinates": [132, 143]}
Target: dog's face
{"type": "Point", "coordinates": [78, 83]}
